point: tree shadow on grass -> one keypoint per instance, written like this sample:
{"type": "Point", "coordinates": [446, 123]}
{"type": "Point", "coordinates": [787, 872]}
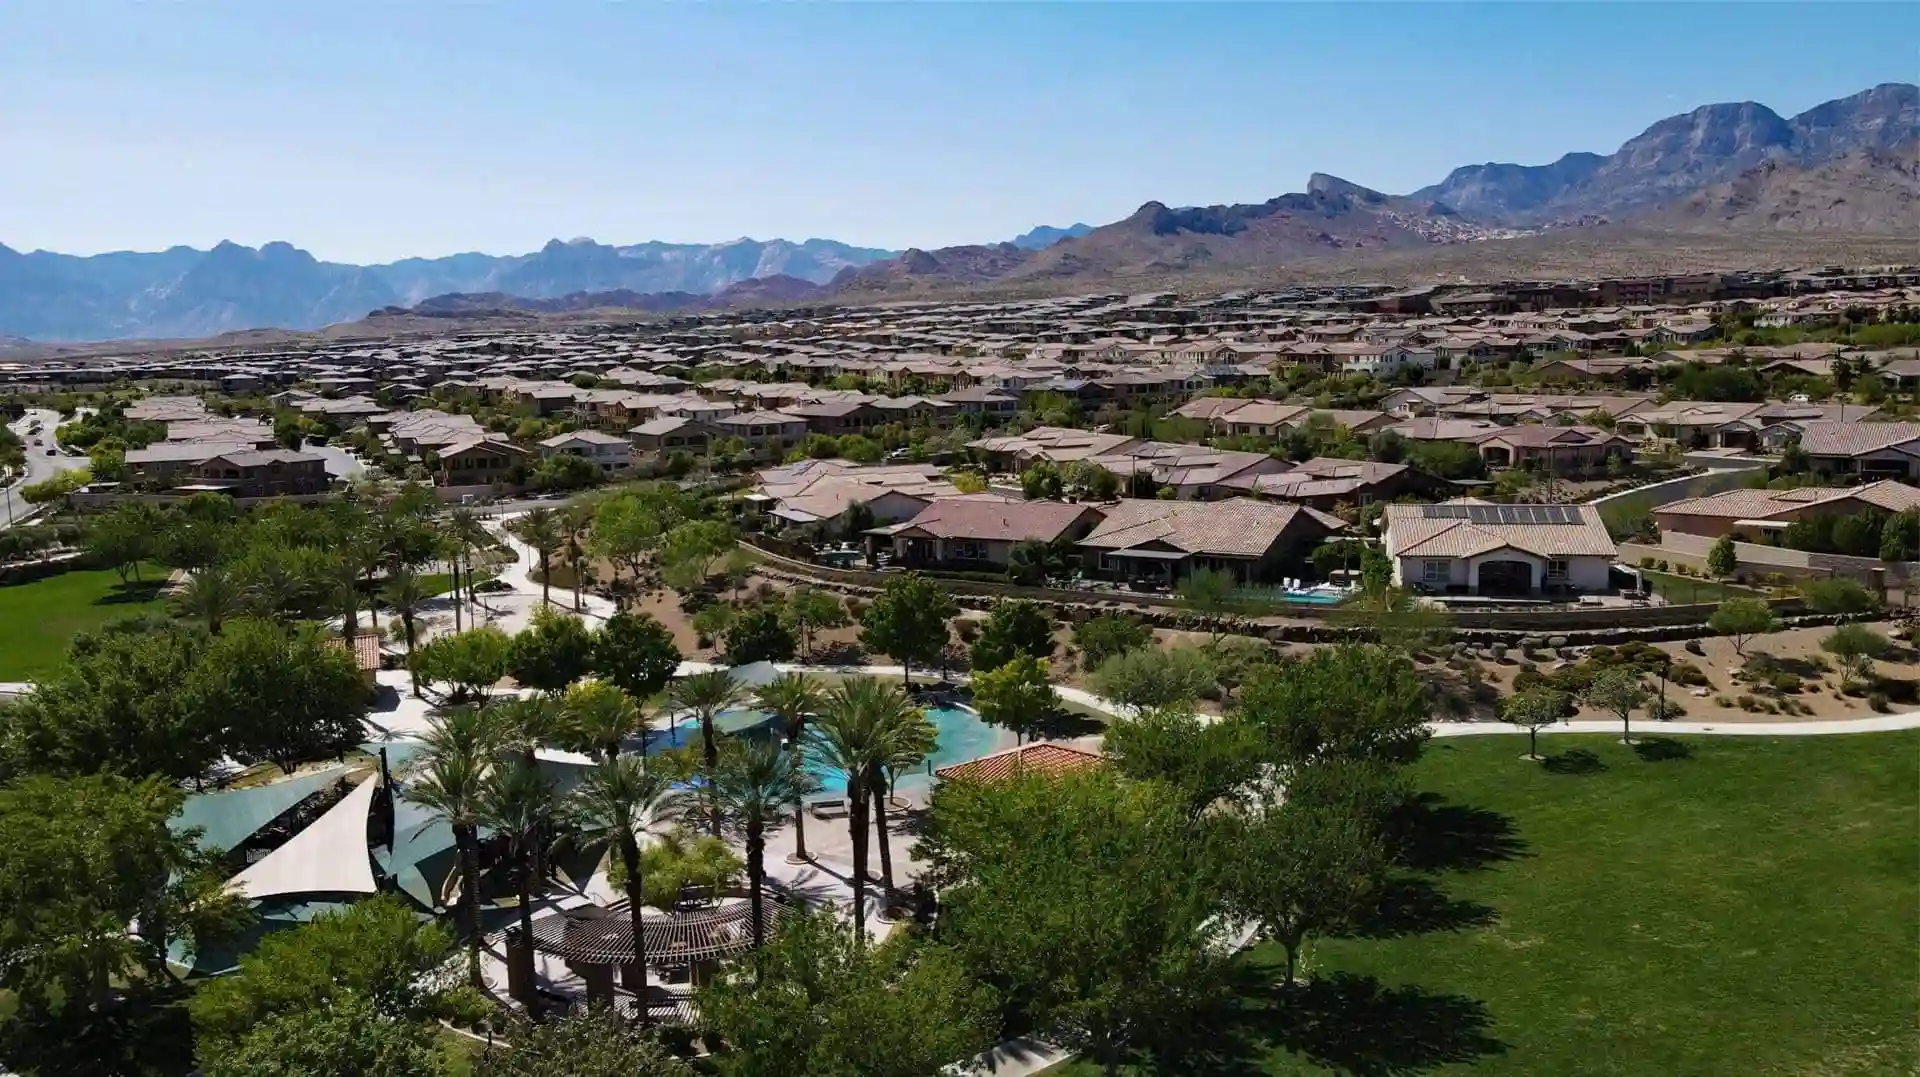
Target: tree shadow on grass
{"type": "Point", "coordinates": [1231, 1037]}
{"type": "Point", "coordinates": [1573, 761]}
{"type": "Point", "coordinates": [1358, 1025]}
{"type": "Point", "coordinates": [1433, 835]}
{"type": "Point", "coordinates": [1066, 725]}
{"type": "Point", "coordinates": [133, 591]}
{"type": "Point", "coordinates": [1661, 749]}
{"type": "Point", "coordinates": [1413, 905]}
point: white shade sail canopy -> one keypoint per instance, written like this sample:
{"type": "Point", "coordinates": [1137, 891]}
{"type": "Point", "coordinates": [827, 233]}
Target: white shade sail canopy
{"type": "Point", "coordinates": [328, 857]}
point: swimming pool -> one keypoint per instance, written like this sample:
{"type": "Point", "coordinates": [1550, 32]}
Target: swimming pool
{"type": "Point", "coordinates": [961, 736]}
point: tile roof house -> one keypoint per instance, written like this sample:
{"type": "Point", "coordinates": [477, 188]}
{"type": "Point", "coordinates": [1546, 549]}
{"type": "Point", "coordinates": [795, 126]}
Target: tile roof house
{"type": "Point", "coordinates": [1749, 512]}
{"type": "Point", "coordinates": [820, 495]}
{"type": "Point", "coordinates": [1489, 549]}
{"type": "Point", "coordinates": [1873, 450]}
{"type": "Point", "coordinates": [1162, 541]}
{"type": "Point", "coordinates": [1324, 482]}
{"type": "Point", "coordinates": [977, 530]}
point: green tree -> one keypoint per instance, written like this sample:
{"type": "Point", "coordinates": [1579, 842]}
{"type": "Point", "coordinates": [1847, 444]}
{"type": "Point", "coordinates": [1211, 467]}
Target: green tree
{"type": "Point", "coordinates": [811, 610]}
{"type": "Point", "coordinates": [1900, 536]}
{"type": "Point", "coordinates": [1201, 762]}
{"type": "Point", "coordinates": [597, 717]}
{"type": "Point", "coordinates": [1741, 619]}
{"type": "Point", "coordinates": [759, 635]}
{"type": "Point", "coordinates": [376, 950]}
{"type": "Point", "coordinates": [1349, 701]}
{"type": "Point", "coordinates": [541, 529]}
{"type": "Point", "coordinates": [299, 690]}
{"type": "Point", "coordinates": [1393, 616]}
{"type": "Point", "coordinates": [908, 621]}
{"type": "Point", "coordinates": [589, 1043]}
{"type": "Point", "coordinates": [611, 808]}
{"type": "Point", "coordinates": [689, 552]}
{"type": "Point", "coordinates": [793, 698]}
{"type": "Point", "coordinates": [348, 1037]}
{"type": "Point", "coordinates": [707, 696]}
{"type": "Point", "coordinates": [405, 592]}
{"type": "Point", "coordinates": [1212, 596]}
{"type": "Point", "coordinates": [451, 784]}
{"type": "Point", "coordinates": [1013, 628]}
{"type": "Point", "coordinates": [1100, 638]}
{"type": "Point", "coordinates": [1016, 695]}
{"type": "Point", "coordinates": [1721, 559]}
{"type": "Point", "coordinates": [518, 803]}
{"type": "Point", "coordinates": [850, 734]}
{"type": "Point", "coordinates": [1095, 896]}
{"type": "Point", "coordinates": [637, 653]}
{"type": "Point", "coordinates": [116, 707]}
{"type": "Point", "coordinates": [553, 651]}
{"type": "Point", "coordinates": [94, 886]}
{"type": "Point", "coordinates": [472, 661]}
{"type": "Point", "coordinates": [1856, 646]}
{"type": "Point", "coordinates": [1619, 691]}
{"type": "Point", "coordinates": [1310, 862]}
{"type": "Point", "coordinates": [122, 538]}
{"type": "Point", "coordinates": [1838, 596]}
{"type": "Point", "coordinates": [1146, 679]}
{"type": "Point", "coordinates": [1533, 711]}
{"type": "Point", "coordinates": [1042, 481]}
{"type": "Point", "coordinates": [825, 1003]}
{"type": "Point", "coordinates": [753, 786]}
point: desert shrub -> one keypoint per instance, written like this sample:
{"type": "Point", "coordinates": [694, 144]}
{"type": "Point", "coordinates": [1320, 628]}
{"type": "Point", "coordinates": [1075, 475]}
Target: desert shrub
{"type": "Point", "coordinates": [1688, 675]}
{"type": "Point", "coordinates": [1748, 703]}
{"type": "Point", "coordinates": [1693, 647]}
{"type": "Point", "coordinates": [1877, 701]}
{"type": "Point", "coordinates": [1722, 701]}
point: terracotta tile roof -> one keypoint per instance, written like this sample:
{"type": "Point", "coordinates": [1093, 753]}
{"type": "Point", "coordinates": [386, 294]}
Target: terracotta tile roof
{"type": "Point", "coordinates": [1857, 439]}
{"type": "Point", "coordinates": [1236, 527]}
{"type": "Point", "coordinates": [1427, 531]}
{"type": "Point", "coordinates": [1043, 758]}
{"type": "Point", "coordinates": [1762, 504]}
{"type": "Point", "coordinates": [996, 519]}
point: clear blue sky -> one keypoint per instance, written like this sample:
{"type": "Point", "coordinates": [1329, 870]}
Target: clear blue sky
{"type": "Point", "coordinates": [374, 131]}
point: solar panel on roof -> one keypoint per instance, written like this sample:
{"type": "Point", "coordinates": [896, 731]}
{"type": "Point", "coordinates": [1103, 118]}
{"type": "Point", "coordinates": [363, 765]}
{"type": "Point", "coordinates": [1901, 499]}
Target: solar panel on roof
{"type": "Point", "coordinates": [1505, 514]}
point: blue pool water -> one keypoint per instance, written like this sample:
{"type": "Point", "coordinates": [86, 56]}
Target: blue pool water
{"type": "Point", "coordinates": [961, 736]}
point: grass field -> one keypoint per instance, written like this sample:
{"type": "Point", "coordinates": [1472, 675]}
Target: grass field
{"type": "Point", "coordinates": [1701, 906]}
{"type": "Point", "coordinates": [37, 619]}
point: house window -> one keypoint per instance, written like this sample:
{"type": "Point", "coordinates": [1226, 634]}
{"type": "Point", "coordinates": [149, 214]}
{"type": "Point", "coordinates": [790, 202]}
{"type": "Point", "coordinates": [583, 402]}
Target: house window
{"type": "Point", "coordinates": [1436, 571]}
{"type": "Point", "coordinates": [1557, 569]}
{"type": "Point", "coordinates": [969, 550]}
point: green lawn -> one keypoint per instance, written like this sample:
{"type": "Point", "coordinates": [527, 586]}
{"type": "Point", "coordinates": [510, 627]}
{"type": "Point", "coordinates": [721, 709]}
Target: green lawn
{"type": "Point", "coordinates": [37, 619]}
{"type": "Point", "coordinates": [1727, 905]}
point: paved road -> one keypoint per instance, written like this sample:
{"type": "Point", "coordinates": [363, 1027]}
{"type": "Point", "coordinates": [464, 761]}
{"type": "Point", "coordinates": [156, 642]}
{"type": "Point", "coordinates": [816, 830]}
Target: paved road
{"type": "Point", "coordinates": [40, 466]}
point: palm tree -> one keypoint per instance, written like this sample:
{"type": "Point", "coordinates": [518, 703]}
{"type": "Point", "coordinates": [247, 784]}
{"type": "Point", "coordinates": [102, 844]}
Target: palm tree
{"type": "Point", "coordinates": [468, 534]}
{"type": "Point", "coordinates": [598, 716]}
{"type": "Point", "coordinates": [791, 698]}
{"type": "Point", "coordinates": [449, 551]}
{"type": "Point", "coordinates": [541, 529]}
{"type": "Point", "coordinates": [753, 788]}
{"type": "Point", "coordinates": [521, 725]}
{"type": "Point", "coordinates": [909, 738]}
{"type": "Point", "coordinates": [848, 735]}
{"type": "Point", "coordinates": [458, 758]}
{"type": "Point", "coordinates": [707, 695]}
{"type": "Point", "coordinates": [406, 593]}
{"type": "Point", "coordinates": [212, 594]}
{"type": "Point", "coordinates": [611, 806]}
{"type": "Point", "coordinates": [518, 802]}
{"type": "Point", "coordinates": [577, 523]}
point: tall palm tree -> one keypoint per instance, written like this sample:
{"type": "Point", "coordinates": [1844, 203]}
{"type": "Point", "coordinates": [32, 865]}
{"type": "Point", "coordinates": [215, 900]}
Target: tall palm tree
{"type": "Point", "coordinates": [405, 592]}
{"type": "Point", "coordinates": [597, 716]}
{"type": "Point", "coordinates": [791, 698]}
{"type": "Point", "coordinates": [458, 758]}
{"type": "Point", "coordinates": [449, 551]}
{"type": "Point", "coordinates": [468, 534]}
{"type": "Point", "coordinates": [541, 529]}
{"type": "Point", "coordinates": [848, 735]}
{"type": "Point", "coordinates": [518, 802]}
{"type": "Point", "coordinates": [707, 695]}
{"type": "Point", "coordinates": [521, 725]}
{"type": "Point", "coordinates": [908, 739]}
{"type": "Point", "coordinates": [753, 788]}
{"type": "Point", "coordinates": [212, 594]}
{"type": "Point", "coordinates": [611, 806]}
{"type": "Point", "coordinates": [577, 523]}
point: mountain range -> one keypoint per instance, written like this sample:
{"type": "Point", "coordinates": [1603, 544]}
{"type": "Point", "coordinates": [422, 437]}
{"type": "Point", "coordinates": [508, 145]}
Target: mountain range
{"type": "Point", "coordinates": [1732, 171]}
